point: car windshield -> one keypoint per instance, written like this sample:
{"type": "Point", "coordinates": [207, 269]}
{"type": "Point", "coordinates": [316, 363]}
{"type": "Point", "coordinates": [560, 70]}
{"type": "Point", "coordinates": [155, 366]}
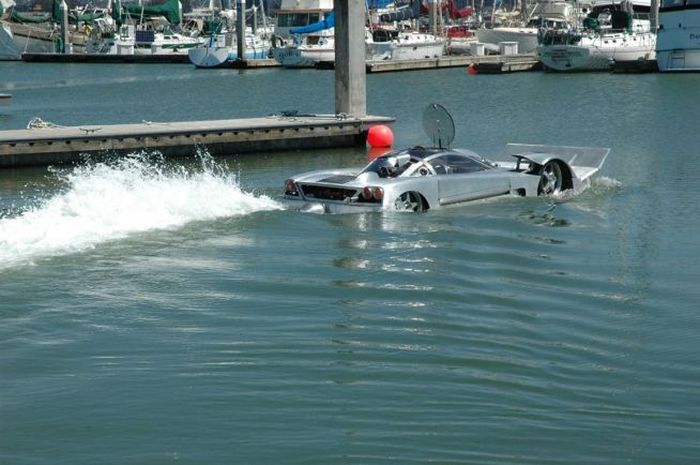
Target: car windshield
{"type": "Point", "coordinates": [391, 165]}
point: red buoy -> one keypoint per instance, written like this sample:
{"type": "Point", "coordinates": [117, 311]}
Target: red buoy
{"type": "Point", "coordinates": [380, 136]}
{"type": "Point", "coordinates": [471, 69]}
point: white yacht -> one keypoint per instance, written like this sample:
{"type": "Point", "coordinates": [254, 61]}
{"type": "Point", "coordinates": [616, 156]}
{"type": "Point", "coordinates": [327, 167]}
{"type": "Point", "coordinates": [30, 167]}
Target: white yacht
{"type": "Point", "coordinates": [611, 32]}
{"type": "Point", "coordinates": [403, 45]}
{"type": "Point", "coordinates": [678, 37]}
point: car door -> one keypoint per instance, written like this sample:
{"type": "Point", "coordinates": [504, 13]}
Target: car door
{"type": "Point", "coordinates": [461, 179]}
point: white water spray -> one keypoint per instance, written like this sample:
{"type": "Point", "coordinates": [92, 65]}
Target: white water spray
{"type": "Point", "coordinates": [109, 201]}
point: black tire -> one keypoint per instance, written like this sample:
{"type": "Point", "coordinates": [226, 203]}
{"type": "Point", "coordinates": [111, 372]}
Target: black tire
{"type": "Point", "coordinates": [551, 179]}
{"type": "Point", "coordinates": [409, 202]}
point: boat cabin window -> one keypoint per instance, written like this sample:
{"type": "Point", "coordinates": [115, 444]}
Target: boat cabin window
{"type": "Point", "coordinates": [455, 164]}
{"type": "Point", "coordinates": [383, 35]}
{"type": "Point", "coordinates": [296, 19]}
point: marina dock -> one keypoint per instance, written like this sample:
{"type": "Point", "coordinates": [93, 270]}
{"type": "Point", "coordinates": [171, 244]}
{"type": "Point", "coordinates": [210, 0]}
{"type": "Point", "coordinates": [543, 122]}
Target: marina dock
{"type": "Point", "coordinates": [146, 58]}
{"type": "Point", "coordinates": [101, 58]}
{"type": "Point", "coordinates": [52, 145]}
{"type": "Point", "coordinates": [488, 63]}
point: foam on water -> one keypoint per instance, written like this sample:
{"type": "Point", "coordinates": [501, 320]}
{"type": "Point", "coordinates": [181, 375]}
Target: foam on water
{"type": "Point", "coordinates": [108, 201]}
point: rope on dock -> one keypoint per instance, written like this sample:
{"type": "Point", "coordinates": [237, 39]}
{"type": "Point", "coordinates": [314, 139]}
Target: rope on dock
{"type": "Point", "coordinates": [295, 115]}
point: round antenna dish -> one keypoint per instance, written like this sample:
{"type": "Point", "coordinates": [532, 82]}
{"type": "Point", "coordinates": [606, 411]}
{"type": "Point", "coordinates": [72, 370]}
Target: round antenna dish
{"type": "Point", "coordinates": [438, 125]}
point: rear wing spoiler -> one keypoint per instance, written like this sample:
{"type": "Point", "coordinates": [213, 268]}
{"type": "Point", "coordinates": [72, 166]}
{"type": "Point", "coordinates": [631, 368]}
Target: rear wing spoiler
{"type": "Point", "coordinates": [576, 157]}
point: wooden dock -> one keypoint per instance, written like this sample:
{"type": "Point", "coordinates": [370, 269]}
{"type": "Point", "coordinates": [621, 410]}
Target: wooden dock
{"type": "Point", "coordinates": [52, 145]}
{"type": "Point", "coordinates": [506, 63]}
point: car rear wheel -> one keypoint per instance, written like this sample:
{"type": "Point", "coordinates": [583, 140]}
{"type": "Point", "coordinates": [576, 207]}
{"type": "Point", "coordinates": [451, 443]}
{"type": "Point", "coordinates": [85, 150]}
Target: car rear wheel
{"type": "Point", "coordinates": [409, 202]}
{"type": "Point", "coordinates": [551, 179]}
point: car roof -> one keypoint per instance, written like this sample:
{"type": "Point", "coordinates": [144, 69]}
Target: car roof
{"type": "Point", "coordinates": [424, 153]}
{"type": "Point", "coordinates": [419, 152]}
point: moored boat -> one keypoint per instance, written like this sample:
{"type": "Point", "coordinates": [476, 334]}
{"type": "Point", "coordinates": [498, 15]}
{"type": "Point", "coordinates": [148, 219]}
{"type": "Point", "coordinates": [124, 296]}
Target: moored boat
{"type": "Point", "coordinates": [678, 39]}
{"type": "Point", "coordinates": [611, 32]}
{"type": "Point", "coordinates": [38, 32]}
{"type": "Point", "coordinates": [8, 48]}
{"type": "Point", "coordinates": [307, 50]}
{"type": "Point", "coordinates": [403, 45]}
{"type": "Point", "coordinates": [221, 49]}
{"type": "Point", "coordinates": [138, 40]}
{"type": "Point", "coordinates": [523, 29]}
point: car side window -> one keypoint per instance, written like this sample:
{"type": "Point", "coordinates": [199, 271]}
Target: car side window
{"type": "Point", "coordinates": [439, 165]}
{"type": "Point", "coordinates": [455, 164]}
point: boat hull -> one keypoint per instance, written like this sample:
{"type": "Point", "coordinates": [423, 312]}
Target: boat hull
{"type": "Point", "coordinates": [599, 54]}
{"type": "Point", "coordinates": [300, 57]}
{"type": "Point", "coordinates": [678, 49]}
{"type": "Point", "coordinates": [678, 60]}
{"type": "Point", "coordinates": [8, 48]}
{"type": "Point", "coordinates": [214, 57]}
{"type": "Point", "coordinates": [397, 52]}
{"type": "Point", "coordinates": [406, 46]}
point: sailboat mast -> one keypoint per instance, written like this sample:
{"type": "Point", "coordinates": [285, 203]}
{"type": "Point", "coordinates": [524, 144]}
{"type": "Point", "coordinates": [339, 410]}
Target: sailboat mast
{"type": "Point", "coordinates": [264, 19]}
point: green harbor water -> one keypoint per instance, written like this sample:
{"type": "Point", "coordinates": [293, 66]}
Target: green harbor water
{"type": "Point", "coordinates": [174, 311]}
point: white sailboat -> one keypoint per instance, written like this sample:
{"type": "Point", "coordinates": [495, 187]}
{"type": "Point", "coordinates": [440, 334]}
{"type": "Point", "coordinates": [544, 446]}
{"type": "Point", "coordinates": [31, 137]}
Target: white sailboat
{"type": "Point", "coordinates": [222, 45]}
{"type": "Point", "coordinates": [134, 40]}
{"type": "Point", "coordinates": [611, 32]}
{"type": "Point", "coordinates": [221, 49]}
{"type": "Point", "coordinates": [144, 30]}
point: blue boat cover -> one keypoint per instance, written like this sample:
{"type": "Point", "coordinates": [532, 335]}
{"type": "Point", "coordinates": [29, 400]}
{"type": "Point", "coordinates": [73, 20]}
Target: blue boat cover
{"type": "Point", "coordinates": [376, 4]}
{"type": "Point", "coordinates": [327, 23]}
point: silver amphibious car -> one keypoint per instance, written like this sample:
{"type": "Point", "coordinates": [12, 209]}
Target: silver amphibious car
{"type": "Point", "coordinates": [419, 178]}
